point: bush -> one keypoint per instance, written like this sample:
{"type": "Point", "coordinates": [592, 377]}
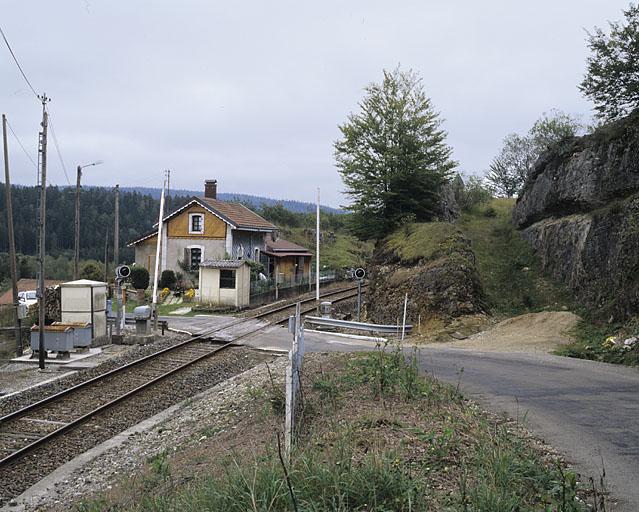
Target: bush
{"type": "Point", "coordinates": [92, 271]}
{"type": "Point", "coordinates": [139, 277]}
{"type": "Point", "coordinates": [168, 279]}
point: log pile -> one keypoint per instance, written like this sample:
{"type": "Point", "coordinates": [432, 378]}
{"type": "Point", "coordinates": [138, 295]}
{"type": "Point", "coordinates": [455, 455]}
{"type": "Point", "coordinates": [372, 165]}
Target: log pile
{"type": "Point", "coordinates": [52, 306]}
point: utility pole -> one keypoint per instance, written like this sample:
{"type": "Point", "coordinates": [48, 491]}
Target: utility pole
{"type": "Point", "coordinates": [317, 250]}
{"type": "Point", "coordinates": [156, 276]}
{"type": "Point", "coordinates": [76, 254]}
{"type": "Point", "coordinates": [106, 254]}
{"type": "Point", "coordinates": [116, 229]}
{"type": "Point", "coordinates": [12, 242]}
{"type": "Point", "coordinates": [42, 229]}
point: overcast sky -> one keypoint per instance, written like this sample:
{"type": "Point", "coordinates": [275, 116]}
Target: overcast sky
{"type": "Point", "coordinates": [252, 92]}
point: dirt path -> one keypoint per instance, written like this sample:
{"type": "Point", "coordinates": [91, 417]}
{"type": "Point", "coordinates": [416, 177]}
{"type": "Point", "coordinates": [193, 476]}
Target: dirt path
{"type": "Point", "coordinates": [532, 332]}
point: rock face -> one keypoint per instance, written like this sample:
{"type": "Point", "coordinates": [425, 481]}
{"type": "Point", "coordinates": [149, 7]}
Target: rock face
{"type": "Point", "coordinates": [580, 211]}
{"type": "Point", "coordinates": [441, 284]}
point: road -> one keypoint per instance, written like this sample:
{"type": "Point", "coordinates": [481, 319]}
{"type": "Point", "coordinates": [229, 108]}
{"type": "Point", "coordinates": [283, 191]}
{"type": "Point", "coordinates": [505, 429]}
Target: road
{"type": "Point", "coordinates": [587, 410]}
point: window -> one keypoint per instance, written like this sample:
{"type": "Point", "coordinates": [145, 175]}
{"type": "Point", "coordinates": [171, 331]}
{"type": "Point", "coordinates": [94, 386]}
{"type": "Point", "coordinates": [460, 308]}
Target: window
{"type": "Point", "coordinates": [196, 258]}
{"type": "Point", "coordinates": [196, 223]}
{"type": "Point", "coordinates": [227, 279]}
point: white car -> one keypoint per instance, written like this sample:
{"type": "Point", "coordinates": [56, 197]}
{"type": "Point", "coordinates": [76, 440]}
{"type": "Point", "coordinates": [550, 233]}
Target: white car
{"type": "Point", "coordinates": [29, 297]}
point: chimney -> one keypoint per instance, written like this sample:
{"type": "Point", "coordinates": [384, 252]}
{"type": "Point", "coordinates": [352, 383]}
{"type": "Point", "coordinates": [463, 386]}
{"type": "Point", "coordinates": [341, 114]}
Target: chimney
{"type": "Point", "coordinates": [210, 189]}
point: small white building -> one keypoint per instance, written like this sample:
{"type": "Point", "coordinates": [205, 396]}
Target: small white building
{"type": "Point", "coordinates": [225, 283]}
{"type": "Point", "coordinates": [84, 301]}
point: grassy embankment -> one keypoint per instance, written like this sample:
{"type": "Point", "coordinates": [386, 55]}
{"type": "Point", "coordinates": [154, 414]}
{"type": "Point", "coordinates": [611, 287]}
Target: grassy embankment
{"type": "Point", "coordinates": [514, 284]}
{"type": "Point", "coordinates": [374, 436]}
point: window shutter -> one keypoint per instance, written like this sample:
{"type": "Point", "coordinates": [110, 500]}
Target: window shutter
{"type": "Point", "coordinates": [187, 258]}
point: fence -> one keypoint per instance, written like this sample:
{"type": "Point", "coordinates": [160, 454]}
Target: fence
{"type": "Point", "coordinates": [293, 378]}
{"type": "Point", "coordinates": [264, 291]}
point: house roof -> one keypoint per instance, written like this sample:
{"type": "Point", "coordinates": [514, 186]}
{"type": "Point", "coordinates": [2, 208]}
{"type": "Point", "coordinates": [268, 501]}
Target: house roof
{"type": "Point", "coordinates": [236, 215]}
{"type": "Point", "coordinates": [239, 215]}
{"type": "Point", "coordinates": [223, 263]}
{"type": "Point", "coordinates": [281, 247]}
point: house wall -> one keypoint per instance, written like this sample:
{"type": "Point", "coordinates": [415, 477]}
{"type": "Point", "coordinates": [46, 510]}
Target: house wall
{"type": "Point", "coordinates": [286, 266]}
{"type": "Point", "coordinates": [214, 227]}
{"type": "Point", "coordinates": [211, 293]}
{"type": "Point", "coordinates": [211, 249]}
{"type": "Point", "coordinates": [245, 242]}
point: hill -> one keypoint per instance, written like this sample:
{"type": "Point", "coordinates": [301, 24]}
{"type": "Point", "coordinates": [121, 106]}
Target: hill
{"type": "Point", "coordinates": [256, 201]}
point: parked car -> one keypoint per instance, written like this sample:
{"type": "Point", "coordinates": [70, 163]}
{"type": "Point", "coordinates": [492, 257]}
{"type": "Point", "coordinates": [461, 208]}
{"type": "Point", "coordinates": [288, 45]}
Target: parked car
{"type": "Point", "coordinates": [29, 297]}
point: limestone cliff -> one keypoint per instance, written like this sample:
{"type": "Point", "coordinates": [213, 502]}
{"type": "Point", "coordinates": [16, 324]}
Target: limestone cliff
{"type": "Point", "coordinates": [580, 211]}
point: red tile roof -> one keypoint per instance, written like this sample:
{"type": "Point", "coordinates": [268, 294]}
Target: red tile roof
{"type": "Point", "coordinates": [238, 214]}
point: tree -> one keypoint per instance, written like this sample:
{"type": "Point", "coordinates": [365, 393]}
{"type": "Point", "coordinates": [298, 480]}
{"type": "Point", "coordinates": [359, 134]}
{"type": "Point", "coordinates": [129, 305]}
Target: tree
{"type": "Point", "coordinates": [92, 271]}
{"type": "Point", "coordinates": [509, 169]}
{"type": "Point", "coordinates": [393, 156]}
{"type": "Point", "coordinates": [612, 77]}
{"type": "Point", "coordinates": [139, 277]}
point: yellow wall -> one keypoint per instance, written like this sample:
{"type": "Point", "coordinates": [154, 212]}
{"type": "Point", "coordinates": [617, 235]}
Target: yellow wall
{"type": "Point", "coordinates": [213, 227]}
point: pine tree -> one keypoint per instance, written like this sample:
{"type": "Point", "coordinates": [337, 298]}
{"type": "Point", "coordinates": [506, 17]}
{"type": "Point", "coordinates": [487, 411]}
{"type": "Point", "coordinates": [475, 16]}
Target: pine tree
{"type": "Point", "coordinates": [393, 156]}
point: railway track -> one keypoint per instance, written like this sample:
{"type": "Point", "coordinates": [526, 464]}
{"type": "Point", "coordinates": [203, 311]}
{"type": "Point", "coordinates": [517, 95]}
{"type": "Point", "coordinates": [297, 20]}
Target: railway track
{"type": "Point", "coordinates": [35, 426]}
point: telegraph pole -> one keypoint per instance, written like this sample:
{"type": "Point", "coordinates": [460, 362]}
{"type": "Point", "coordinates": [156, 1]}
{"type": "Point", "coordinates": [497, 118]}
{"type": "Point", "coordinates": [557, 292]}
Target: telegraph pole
{"type": "Point", "coordinates": [76, 255]}
{"type": "Point", "coordinates": [106, 254]}
{"type": "Point", "coordinates": [317, 250]}
{"type": "Point", "coordinates": [116, 229]}
{"type": "Point", "coordinates": [42, 228]}
{"type": "Point", "coordinates": [12, 242]}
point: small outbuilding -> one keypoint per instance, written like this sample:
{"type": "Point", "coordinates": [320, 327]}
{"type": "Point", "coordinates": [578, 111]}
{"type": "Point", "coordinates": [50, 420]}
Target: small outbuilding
{"type": "Point", "coordinates": [84, 301]}
{"type": "Point", "coordinates": [225, 283]}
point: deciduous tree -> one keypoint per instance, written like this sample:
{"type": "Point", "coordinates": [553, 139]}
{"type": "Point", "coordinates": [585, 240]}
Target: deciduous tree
{"type": "Point", "coordinates": [612, 77]}
{"type": "Point", "coordinates": [393, 156]}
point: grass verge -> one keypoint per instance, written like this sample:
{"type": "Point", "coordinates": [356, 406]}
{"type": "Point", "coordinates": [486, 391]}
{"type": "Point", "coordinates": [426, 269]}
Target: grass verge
{"type": "Point", "coordinates": [510, 274]}
{"type": "Point", "coordinates": [374, 436]}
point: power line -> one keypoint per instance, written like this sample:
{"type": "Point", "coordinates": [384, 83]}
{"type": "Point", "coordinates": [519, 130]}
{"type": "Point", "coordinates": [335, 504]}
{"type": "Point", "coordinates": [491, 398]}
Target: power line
{"type": "Point", "coordinates": [57, 148]}
{"type": "Point", "coordinates": [22, 146]}
{"type": "Point", "coordinates": [18, 64]}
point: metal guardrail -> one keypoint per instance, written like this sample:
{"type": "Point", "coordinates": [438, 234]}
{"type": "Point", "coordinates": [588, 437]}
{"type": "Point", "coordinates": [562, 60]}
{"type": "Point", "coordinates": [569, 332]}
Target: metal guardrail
{"type": "Point", "coordinates": [358, 326]}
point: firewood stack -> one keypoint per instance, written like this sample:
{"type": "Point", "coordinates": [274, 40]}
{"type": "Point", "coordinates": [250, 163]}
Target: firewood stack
{"type": "Point", "coordinates": [52, 306]}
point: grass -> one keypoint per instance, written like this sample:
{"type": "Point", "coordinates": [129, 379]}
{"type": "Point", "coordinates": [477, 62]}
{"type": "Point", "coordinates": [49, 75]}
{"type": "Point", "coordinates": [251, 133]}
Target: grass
{"type": "Point", "coordinates": [603, 342]}
{"type": "Point", "coordinates": [509, 272]}
{"type": "Point", "coordinates": [375, 436]}
{"type": "Point", "coordinates": [425, 241]}
{"type": "Point", "coordinates": [344, 251]}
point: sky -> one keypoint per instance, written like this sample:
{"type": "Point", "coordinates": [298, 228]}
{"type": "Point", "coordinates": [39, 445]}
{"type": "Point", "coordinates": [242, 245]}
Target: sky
{"type": "Point", "coordinates": [252, 93]}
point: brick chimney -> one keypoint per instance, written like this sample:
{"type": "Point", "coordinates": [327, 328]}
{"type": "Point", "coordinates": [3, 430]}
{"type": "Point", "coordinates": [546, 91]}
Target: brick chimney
{"type": "Point", "coordinates": [210, 189]}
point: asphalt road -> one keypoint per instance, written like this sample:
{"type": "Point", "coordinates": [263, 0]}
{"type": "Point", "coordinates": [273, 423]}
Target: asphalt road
{"type": "Point", "coordinates": [587, 410]}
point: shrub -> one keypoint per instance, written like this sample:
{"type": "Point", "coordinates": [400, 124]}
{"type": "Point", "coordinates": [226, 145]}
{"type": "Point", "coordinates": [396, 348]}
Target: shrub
{"type": "Point", "coordinates": [168, 279]}
{"type": "Point", "coordinates": [92, 271]}
{"type": "Point", "coordinates": [139, 277]}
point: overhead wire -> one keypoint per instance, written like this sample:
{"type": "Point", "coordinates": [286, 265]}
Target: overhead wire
{"type": "Point", "coordinates": [57, 148]}
{"type": "Point", "coordinates": [21, 145]}
{"type": "Point", "coordinates": [15, 59]}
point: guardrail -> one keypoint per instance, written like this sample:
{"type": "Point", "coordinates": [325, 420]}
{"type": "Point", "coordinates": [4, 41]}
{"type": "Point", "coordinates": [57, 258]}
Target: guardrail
{"type": "Point", "coordinates": [357, 326]}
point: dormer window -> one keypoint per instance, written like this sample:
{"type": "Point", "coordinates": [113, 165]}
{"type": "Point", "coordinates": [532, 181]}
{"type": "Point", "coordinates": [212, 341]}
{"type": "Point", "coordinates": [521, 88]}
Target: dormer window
{"type": "Point", "coordinates": [196, 223]}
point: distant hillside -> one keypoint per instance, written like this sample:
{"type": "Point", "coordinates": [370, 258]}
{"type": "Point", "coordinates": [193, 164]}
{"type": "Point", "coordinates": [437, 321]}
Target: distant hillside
{"type": "Point", "coordinates": [256, 201]}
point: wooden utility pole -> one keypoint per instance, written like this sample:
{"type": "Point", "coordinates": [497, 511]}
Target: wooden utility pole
{"type": "Point", "coordinates": [106, 254]}
{"type": "Point", "coordinates": [317, 250]}
{"type": "Point", "coordinates": [76, 254]}
{"type": "Point", "coordinates": [12, 242]}
{"type": "Point", "coordinates": [42, 230]}
{"type": "Point", "coordinates": [116, 229]}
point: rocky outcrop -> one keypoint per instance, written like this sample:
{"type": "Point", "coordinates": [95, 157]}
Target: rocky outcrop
{"type": "Point", "coordinates": [442, 282]}
{"type": "Point", "coordinates": [580, 211]}
{"type": "Point", "coordinates": [582, 174]}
